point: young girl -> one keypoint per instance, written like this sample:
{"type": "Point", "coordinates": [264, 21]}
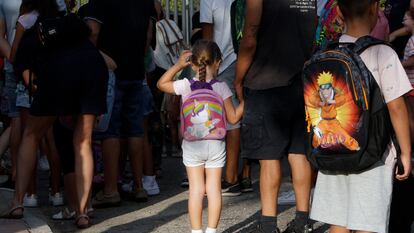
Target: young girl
{"type": "Point", "coordinates": [204, 159]}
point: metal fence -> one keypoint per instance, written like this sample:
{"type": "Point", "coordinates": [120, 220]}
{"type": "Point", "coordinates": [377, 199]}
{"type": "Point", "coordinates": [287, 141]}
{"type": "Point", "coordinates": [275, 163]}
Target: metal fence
{"type": "Point", "coordinates": [182, 11]}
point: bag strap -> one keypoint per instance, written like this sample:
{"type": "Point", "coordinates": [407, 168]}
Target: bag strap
{"type": "Point", "coordinates": [179, 39]}
{"type": "Point", "coordinates": [366, 42]}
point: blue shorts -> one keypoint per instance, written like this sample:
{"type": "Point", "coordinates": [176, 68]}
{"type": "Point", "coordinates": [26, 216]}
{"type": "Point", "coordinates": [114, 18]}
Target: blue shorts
{"type": "Point", "coordinates": [148, 102]}
{"type": "Point", "coordinates": [10, 95]}
{"type": "Point", "coordinates": [127, 114]}
{"type": "Point", "coordinates": [228, 76]}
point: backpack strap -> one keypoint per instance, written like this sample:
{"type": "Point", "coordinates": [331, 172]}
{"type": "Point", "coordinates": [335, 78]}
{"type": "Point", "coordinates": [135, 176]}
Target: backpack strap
{"type": "Point", "coordinates": [366, 42]}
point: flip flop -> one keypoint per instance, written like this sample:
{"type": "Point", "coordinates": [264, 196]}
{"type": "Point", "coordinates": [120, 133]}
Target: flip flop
{"type": "Point", "coordinates": [10, 215]}
{"type": "Point", "coordinates": [83, 226]}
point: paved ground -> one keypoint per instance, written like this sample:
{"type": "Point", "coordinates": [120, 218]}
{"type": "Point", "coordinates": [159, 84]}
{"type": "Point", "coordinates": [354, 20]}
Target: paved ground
{"type": "Point", "coordinates": [165, 213]}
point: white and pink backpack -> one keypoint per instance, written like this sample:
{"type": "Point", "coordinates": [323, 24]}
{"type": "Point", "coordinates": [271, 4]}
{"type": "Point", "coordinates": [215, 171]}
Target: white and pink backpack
{"type": "Point", "coordinates": [202, 113]}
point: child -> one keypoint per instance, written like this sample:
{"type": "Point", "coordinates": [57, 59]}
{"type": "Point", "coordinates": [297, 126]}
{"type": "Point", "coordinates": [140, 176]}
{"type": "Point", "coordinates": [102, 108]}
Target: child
{"type": "Point", "coordinates": [361, 202]}
{"type": "Point", "coordinates": [204, 159]}
{"type": "Point", "coordinates": [408, 64]}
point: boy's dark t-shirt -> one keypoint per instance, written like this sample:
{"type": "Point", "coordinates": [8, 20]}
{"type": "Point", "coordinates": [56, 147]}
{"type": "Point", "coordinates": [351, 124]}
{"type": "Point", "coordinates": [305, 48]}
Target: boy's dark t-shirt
{"type": "Point", "coordinates": [284, 43]}
{"type": "Point", "coordinates": [123, 34]}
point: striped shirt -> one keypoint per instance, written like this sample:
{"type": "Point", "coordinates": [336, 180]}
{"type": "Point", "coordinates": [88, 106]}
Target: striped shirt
{"type": "Point", "coordinates": [409, 52]}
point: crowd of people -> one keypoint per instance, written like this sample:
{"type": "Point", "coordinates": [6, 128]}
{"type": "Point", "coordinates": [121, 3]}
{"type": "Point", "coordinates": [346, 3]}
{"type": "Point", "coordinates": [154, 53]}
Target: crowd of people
{"type": "Point", "coordinates": [104, 91]}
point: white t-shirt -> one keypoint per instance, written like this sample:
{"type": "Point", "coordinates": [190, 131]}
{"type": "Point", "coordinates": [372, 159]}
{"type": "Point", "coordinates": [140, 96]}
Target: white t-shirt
{"type": "Point", "coordinates": [409, 52]}
{"type": "Point", "coordinates": [28, 20]}
{"type": "Point", "coordinates": [183, 88]}
{"type": "Point", "coordinates": [9, 12]}
{"type": "Point", "coordinates": [390, 75]}
{"type": "Point", "coordinates": [217, 12]}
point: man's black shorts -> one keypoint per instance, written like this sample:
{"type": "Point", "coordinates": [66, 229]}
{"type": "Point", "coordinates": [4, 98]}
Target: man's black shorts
{"type": "Point", "coordinates": [274, 122]}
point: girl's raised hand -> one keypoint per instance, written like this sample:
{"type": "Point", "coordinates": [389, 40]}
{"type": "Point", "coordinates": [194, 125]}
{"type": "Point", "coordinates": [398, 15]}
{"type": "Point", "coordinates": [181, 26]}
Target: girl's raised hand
{"type": "Point", "coordinates": [185, 59]}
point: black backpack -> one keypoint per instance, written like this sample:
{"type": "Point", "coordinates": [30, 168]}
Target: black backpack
{"type": "Point", "coordinates": [349, 127]}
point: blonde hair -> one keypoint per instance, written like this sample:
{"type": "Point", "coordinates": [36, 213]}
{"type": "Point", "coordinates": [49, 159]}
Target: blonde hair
{"type": "Point", "coordinates": [205, 53]}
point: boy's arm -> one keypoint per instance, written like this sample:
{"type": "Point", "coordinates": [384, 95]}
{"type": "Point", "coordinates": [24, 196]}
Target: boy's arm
{"type": "Point", "coordinates": [400, 122]}
{"type": "Point", "coordinates": [233, 114]}
{"type": "Point", "coordinates": [166, 83]}
{"type": "Point", "coordinates": [248, 43]}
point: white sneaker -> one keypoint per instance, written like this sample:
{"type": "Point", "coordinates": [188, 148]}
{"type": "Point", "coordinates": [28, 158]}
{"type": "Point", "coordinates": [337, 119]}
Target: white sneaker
{"type": "Point", "coordinates": [127, 187]}
{"type": "Point", "coordinates": [149, 183]}
{"type": "Point", "coordinates": [56, 200]}
{"type": "Point", "coordinates": [30, 201]}
{"type": "Point", "coordinates": [43, 163]}
{"type": "Point", "coordinates": [287, 198]}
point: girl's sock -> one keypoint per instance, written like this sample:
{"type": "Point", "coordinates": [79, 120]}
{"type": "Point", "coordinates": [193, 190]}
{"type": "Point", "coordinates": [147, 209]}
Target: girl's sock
{"type": "Point", "coordinates": [196, 231]}
{"type": "Point", "coordinates": [211, 230]}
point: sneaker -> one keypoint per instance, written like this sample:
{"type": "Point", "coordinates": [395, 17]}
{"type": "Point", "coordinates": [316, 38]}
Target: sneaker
{"type": "Point", "coordinates": [64, 214]}
{"type": "Point", "coordinates": [184, 183]}
{"type": "Point", "coordinates": [141, 195]}
{"type": "Point", "coordinates": [56, 200]}
{"type": "Point", "coordinates": [103, 201]}
{"type": "Point", "coordinates": [127, 187]}
{"type": "Point", "coordinates": [294, 228]}
{"type": "Point", "coordinates": [246, 185]}
{"type": "Point", "coordinates": [150, 185]}
{"type": "Point", "coordinates": [43, 163]}
{"type": "Point", "coordinates": [30, 201]}
{"type": "Point", "coordinates": [287, 198]}
{"type": "Point", "coordinates": [259, 229]}
{"type": "Point", "coordinates": [230, 190]}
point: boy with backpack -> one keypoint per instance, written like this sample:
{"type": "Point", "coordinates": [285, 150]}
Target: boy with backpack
{"type": "Point", "coordinates": [360, 84]}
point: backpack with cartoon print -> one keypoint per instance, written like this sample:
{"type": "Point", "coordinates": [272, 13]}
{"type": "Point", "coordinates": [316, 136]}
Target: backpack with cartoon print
{"type": "Point", "coordinates": [349, 126]}
{"type": "Point", "coordinates": [202, 113]}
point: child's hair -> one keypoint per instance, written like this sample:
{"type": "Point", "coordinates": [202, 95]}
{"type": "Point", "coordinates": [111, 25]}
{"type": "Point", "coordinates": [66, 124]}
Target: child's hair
{"type": "Point", "coordinates": [205, 53]}
{"type": "Point", "coordinates": [354, 8]}
{"type": "Point", "coordinates": [46, 8]}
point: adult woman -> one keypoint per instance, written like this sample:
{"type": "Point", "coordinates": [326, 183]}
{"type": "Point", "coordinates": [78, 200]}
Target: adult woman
{"type": "Point", "coordinates": [71, 79]}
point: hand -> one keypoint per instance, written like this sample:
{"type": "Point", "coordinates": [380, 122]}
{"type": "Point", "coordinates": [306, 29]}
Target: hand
{"type": "Point", "coordinates": [110, 63]}
{"type": "Point", "coordinates": [185, 59]}
{"type": "Point", "coordinates": [406, 162]}
{"type": "Point", "coordinates": [239, 90]}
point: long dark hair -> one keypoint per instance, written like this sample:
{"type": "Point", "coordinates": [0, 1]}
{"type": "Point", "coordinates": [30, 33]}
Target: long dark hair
{"type": "Point", "coordinates": [45, 8]}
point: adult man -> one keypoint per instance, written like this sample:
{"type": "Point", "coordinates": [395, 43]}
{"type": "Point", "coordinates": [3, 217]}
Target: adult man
{"type": "Point", "coordinates": [277, 40]}
{"type": "Point", "coordinates": [215, 19]}
{"type": "Point", "coordinates": [120, 32]}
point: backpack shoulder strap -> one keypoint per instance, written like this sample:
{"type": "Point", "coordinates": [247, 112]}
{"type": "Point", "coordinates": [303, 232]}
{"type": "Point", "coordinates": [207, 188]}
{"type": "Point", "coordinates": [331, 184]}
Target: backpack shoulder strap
{"type": "Point", "coordinates": [366, 42]}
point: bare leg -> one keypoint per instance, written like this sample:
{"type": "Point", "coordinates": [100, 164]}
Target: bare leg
{"type": "Point", "coordinates": [213, 189]}
{"type": "Point", "coordinates": [82, 142]}
{"type": "Point", "coordinates": [247, 171]}
{"type": "Point", "coordinates": [15, 137]}
{"type": "Point", "coordinates": [111, 151]}
{"type": "Point", "coordinates": [70, 191]}
{"type": "Point", "coordinates": [338, 229]}
{"type": "Point", "coordinates": [270, 178]}
{"type": "Point", "coordinates": [196, 195]}
{"type": "Point", "coordinates": [135, 153]}
{"type": "Point", "coordinates": [33, 133]}
{"type": "Point", "coordinates": [5, 140]}
{"type": "Point", "coordinates": [233, 151]}
{"type": "Point", "coordinates": [54, 161]}
{"type": "Point", "coordinates": [302, 178]}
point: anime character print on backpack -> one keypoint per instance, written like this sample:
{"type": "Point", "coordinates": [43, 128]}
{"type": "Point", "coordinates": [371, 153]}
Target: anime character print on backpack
{"type": "Point", "coordinates": [348, 121]}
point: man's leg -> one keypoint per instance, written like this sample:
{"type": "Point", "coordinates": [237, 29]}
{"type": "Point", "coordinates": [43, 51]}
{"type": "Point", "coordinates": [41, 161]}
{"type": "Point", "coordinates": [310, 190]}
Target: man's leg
{"type": "Point", "coordinates": [301, 178]}
{"type": "Point", "coordinates": [110, 152]}
{"type": "Point", "coordinates": [270, 179]}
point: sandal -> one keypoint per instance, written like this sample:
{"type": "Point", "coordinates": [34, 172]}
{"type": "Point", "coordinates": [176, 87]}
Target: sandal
{"type": "Point", "coordinates": [11, 215]}
{"type": "Point", "coordinates": [85, 225]}
{"type": "Point", "coordinates": [64, 214]}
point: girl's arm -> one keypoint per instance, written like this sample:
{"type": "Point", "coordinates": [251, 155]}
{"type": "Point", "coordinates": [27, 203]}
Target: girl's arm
{"type": "Point", "coordinates": [400, 121]}
{"type": "Point", "coordinates": [404, 31]}
{"type": "Point", "coordinates": [233, 114]}
{"type": "Point", "coordinates": [17, 38]}
{"type": "Point", "coordinates": [165, 84]}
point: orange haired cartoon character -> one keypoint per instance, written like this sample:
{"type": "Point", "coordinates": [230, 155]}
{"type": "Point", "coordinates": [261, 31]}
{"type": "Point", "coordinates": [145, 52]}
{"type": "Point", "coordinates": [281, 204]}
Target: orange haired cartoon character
{"type": "Point", "coordinates": [329, 132]}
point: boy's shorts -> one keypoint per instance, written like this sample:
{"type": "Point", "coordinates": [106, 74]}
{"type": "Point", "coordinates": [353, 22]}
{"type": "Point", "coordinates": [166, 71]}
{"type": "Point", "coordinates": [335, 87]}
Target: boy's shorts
{"type": "Point", "coordinates": [22, 96]}
{"type": "Point", "coordinates": [228, 76]}
{"type": "Point", "coordinates": [274, 123]}
{"type": "Point", "coordinates": [207, 153]}
{"type": "Point", "coordinates": [11, 95]}
{"type": "Point", "coordinates": [148, 102]}
{"type": "Point", "coordinates": [355, 201]}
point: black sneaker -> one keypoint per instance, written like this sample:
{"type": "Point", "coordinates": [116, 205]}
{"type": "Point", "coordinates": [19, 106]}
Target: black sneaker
{"type": "Point", "coordinates": [295, 228]}
{"type": "Point", "coordinates": [246, 185]}
{"type": "Point", "coordinates": [259, 229]}
{"type": "Point", "coordinates": [230, 190]}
